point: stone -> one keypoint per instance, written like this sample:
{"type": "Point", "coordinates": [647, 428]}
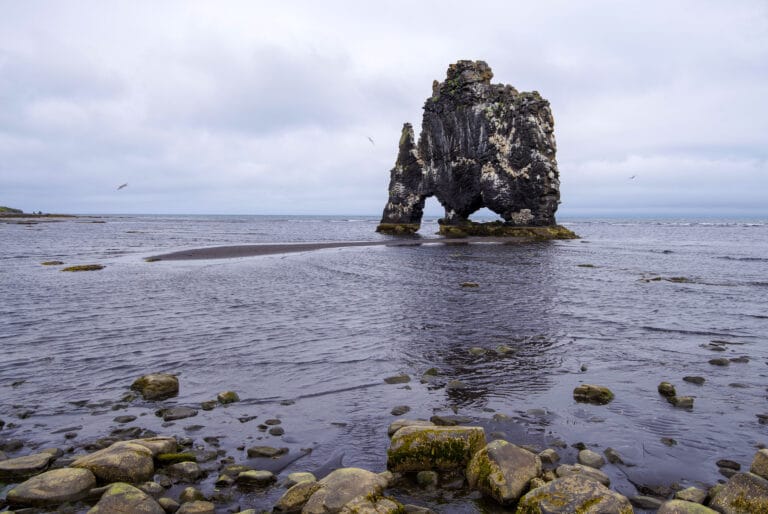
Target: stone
{"type": "Point", "coordinates": [53, 488]}
{"type": "Point", "coordinates": [266, 451]}
{"type": "Point", "coordinates": [166, 459]}
{"type": "Point", "coordinates": [760, 464]}
{"type": "Point", "coordinates": [124, 498]}
{"type": "Point", "coordinates": [255, 478]}
{"type": "Point", "coordinates": [169, 504]}
{"type": "Point", "coordinates": [399, 410]}
{"type": "Point", "coordinates": [340, 487]}
{"type": "Point", "coordinates": [153, 489]}
{"type": "Point", "coordinates": [156, 386]}
{"type": "Point", "coordinates": [667, 389]}
{"type": "Point", "coordinates": [176, 413]}
{"type": "Point", "coordinates": [124, 419]}
{"type": "Point", "coordinates": [450, 421]}
{"type": "Point", "coordinates": [646, 502]}
{"type": "Point", "coordinates": [191, 494]}
{"type": "Point", "coordinates": [481, 145]}
{"type": "Point", "coordinates": [416, 448]}
{"type": "Point", "coordinates": [691, 494]}
{"type": "Point", "coordinates": [227, 397]}
{"type": "Point", "coordinates": [295, 497]}
{"type": "Point", "coordinates": [694, 380]}
{"type": "Point", "coordinates": [743, 493]}
{"type": "Point", "coordinates": [299, 476]}
{"type": "Point", "coordinates": [197, 507]}
{"type": "Point", "coordinates": [427, 478]}
{"type": "Point", "coordinates": [398, 379]}
{"type": "Point", "coordinates": [549, 456]}
{"type": "Point", "coordinates": [121, 462]}
{"type": "Point", "coordinates": [591, 459]}
{"type": "Point", "coordinates": [20, 468]}
{"type": "Point", "coordinates": [186, 471]}
{"type": "Point", "coordinates": [729, 464]}
{"type": "Point", "coordinates": [209, 404]}
{"type": "Point", "coordinates": [503, 471]}
{"type": "Point", "coordinates": [589, 393]}
{"type": "Point", "coordinates": [613, 456]}
{"type": "Point", "coordinates": [565, 470]}
{"type": "Point", "coordinates": [157, 445]}
{"type": "Point", "coordinates": [455, 385]}
{"type": "Point", "coordinates": [721, 361]}
{"type": "Point", "coordinates": [372, 505]}
{"type": "Point", "coordinates": [224, 481]}
{"type": "Point", "coordinates": [276, 431]}
{"type": "Point", "coordinates": [683, 507]}
{"type": "Point", "coordinates": [574, 494]}
{"type": "Point", "coordinates": [682, 402]}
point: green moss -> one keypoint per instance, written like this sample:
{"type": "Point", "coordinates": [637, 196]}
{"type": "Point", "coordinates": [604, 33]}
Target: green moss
{"type": "Point", "coordinates": [10, 210]}
{"type": "Point", "coordinates": [52, 263]}
{"type": "Point", "coordinates": [585, 507]}
{"type": "Point", "coordinates": [427, 449]}
{"type": "Point", "coordinates": [84, 267]}
{"type": "Point", "coordinates": [398, 229]}
{"type": "Point", "coordinates": [742, 503]}
{"type": "Point", "coordinates": [174, 458]}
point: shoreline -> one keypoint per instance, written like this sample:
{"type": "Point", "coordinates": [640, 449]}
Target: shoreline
{"type": "Point", "coordinates": [231, 252]}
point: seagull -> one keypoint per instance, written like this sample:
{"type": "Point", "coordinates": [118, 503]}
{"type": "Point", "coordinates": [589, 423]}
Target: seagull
{"type": "Point", "coordinates": [122, 186]}
{"type": "Point", "coordinates": [632, 177]}
{"type": "Point", "coordinates": [371, 140]}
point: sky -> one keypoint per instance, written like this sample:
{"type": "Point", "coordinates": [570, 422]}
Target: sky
{"type": "Point", "coordinates": [256, 107]}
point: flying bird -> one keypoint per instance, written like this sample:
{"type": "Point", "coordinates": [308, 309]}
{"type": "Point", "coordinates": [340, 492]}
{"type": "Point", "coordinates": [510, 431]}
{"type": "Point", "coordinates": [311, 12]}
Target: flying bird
{"type": "Point", "coordinates": [371, 140]}
{"type": "Point", "coordinates": [122, 186]}
{"type": "Point", "coordinates": [632, 177]}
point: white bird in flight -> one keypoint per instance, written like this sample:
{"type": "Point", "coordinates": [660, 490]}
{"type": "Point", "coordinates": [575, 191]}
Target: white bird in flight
{"type": "Point", "coordinates": [122, 186]}
{"type": "Point", "coordinates": [371, 140]}
{"type": "Point", "coordinates": [632, 177]}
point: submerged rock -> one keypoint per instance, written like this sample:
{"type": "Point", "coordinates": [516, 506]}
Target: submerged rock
{"type": "Point", "coordinates": [121, 497]}
{"type": "Point", "coordinates": [574, 494]}
{"type": "Point", "coordinates": [503, 471]}
{"type": "Point", "coordinates": [53, 488]}
{"type": "Point", "coordinates": [417, 448]}
{"type": "Point", "coordinates": [481, 145]}
{"type": "Point", "coordinates": [156, 386]}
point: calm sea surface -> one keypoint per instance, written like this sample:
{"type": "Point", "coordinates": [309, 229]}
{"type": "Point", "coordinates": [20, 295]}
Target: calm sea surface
{"type": "Point", "coordinates": [323, 329]}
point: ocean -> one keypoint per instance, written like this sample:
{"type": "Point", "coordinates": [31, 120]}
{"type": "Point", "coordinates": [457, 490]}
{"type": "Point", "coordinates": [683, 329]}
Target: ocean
{"type": "Point", "coordinates": [309, 337]}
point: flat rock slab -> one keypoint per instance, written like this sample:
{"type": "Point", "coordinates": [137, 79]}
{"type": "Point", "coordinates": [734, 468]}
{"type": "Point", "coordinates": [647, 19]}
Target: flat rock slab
{"type": "Point", "coordinates": [266, 451]}
{"type": "Point", "coordinates": [53, 488]}
{"type": "Point", "coordinates": [574, 493]}
{"type": "Point", "coordinates": [124, 498]}
{"type": "Point", "coordinates": [24, 467]}
{"type": "Point", "coordinates": [417, 448]}
{"type": "Point", "coordinates": [156, 386]}
{"type": "Point", "coordinates": [121, 462]}
{"type": "Point", "coordinates": [503, 471]}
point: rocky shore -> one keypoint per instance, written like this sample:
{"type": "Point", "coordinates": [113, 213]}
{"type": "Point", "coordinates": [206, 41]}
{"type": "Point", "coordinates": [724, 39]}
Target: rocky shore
{"type": "Point", "coordinates": [428, 463]}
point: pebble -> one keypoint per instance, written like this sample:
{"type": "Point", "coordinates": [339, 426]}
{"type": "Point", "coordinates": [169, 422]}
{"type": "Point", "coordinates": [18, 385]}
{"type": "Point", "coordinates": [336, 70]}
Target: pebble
{"type": "Point", "coordinates": [683, 402]}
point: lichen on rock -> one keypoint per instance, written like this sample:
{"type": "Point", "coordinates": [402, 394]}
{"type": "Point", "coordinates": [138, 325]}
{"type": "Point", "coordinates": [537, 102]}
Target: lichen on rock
{"type": "Point", "coordinates": [418, 448]}
{"type": "Point", "coordinates": [481, 145]}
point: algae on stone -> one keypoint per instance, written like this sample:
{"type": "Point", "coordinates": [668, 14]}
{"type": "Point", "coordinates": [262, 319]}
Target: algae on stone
{"type": "Point", "coordinates": [416, 448]}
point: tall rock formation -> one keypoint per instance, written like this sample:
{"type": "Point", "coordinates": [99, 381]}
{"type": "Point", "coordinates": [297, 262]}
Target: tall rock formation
{"type": "Point", "coordinates": [481, 145]}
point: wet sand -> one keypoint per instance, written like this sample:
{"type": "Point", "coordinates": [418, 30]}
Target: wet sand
{"type": "Point", "coordinates": [229, 252]}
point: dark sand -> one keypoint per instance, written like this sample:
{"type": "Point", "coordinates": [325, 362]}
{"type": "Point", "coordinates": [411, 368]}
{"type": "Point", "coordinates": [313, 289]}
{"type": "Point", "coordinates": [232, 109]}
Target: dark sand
{"type": "Point", "coordinates": [229, 252]}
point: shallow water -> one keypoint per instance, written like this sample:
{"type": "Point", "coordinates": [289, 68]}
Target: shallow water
{"type": "Point", "coordinates": [324, 328]}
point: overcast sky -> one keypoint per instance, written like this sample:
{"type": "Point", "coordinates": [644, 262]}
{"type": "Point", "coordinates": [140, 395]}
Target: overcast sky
{"type": "Point", "coordinates": [260, 107]}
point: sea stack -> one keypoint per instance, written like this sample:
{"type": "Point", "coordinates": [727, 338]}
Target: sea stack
{"type": "Point", "coordinates": [481, 145]}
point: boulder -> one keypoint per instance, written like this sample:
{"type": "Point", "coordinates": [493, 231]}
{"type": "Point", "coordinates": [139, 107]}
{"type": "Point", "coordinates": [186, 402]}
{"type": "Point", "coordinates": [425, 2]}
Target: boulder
{"type": "Point", "coordinates": [342, 486]}
{"type": "Point", "coordinates": [744, 493]}
{"type": "Point", "coordinates": [121, 462]}
{"type": "Point", "coordinates": [684, 507]}
{"type": "Point", "coordinates": [574, 494]}
{"type": "Point", "coordinates": [760, 464]}
{"type": "Point", "coordinates": [295, 497]}
{"type": "Point", "coordinates": [418, 448]}
{"type": "Point", "coordinates": [187, 471]}
{"type": "Point", "coordinates": [20, 468]}
{"type": "Point", "coordinates": [197, 507]}
{"type": "Point", "coordinates": [589, 393]}
{"type": "Point", "coordinates": [227, 397]}
{"type": "Point", "coordinates": [591, 459]}
{"type": "Point", "coordinates": [502, 471]}
{"type": "Point", "coordinates": [53, 488]}
{"type": "Point", "coordinates": [400, 423]}
{"type": "Point", "coordinates": [373, 505]}
{"type": "Point", "coordinates": [565, 470]}
{"type": "Point", "coordinates": [124, 498]}
{"type": "Point", "coordinates": [156, 386]}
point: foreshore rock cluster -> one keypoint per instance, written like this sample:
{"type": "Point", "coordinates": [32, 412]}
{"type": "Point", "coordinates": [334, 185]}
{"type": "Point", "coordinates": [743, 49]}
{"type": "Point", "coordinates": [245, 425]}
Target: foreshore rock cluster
{"type": "Point", "coordinates": [163, 474]}
{"type": "Point", "coordinates": [481, 145]}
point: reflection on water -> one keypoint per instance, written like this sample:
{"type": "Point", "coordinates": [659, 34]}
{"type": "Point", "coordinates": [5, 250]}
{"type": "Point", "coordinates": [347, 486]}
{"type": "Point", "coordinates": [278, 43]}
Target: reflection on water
{"type": "Point", "coordinates": [309, 337]}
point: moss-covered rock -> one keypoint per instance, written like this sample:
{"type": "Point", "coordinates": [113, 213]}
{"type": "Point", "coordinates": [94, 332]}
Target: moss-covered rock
{"type": "Point", "coordinates": [156, 386]}
{"type": "Point", "coordinates": [417, 448]}
{"type": "Point", "coordinates": [10, 210]}
{"type": "Point", "coordinates": [21, 468]}
{"type": "Point", "coordinates": [121, 462]}
{"type": "Point", "coordinates": [501, 229]}
{"type": "Point", "coordinates": [398, 229]}
{"type": "Point", "coordinates": [52, 263]}
{"type": "Point", "coordinates": [53, 488]}
{"type": "Point", "coordinates": [744, 493]}
{"type": "Point", "coordinates": [197, 507]}
{"type": "Point", "coordinates": [157, 445]}
{"type": "Point", "coordinates": [370, 504]}
{"type": "Point", "coordinates": [590, 393]}
{"type": "Point", "coordinates": [121, 497]}
{"type": "Point", "coordinates": [503, 471]}
{"type": "Point", "coordinates": [166, 459]}
{"type": "Point", "coordinates": [84, 267]}
{"type": "Point", "coordinates": [402, 422]}
{"type": "Point", "coordinates": [342, 486]}
{"type": "Point", "coordinates": [227, 397]}
{"type": "Point", "coordinates": [760, 464]}
{"type": "Point", "coordinates": [565, 470]}
{"type": "Point", "coordinates": [573, 494]}
{"type": "Point", "coordinates": [295, 497]}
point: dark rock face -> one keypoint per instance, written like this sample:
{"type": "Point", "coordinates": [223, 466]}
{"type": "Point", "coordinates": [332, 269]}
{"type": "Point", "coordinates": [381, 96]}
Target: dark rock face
{"type": "Point", "coordinates": [481, 145]}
